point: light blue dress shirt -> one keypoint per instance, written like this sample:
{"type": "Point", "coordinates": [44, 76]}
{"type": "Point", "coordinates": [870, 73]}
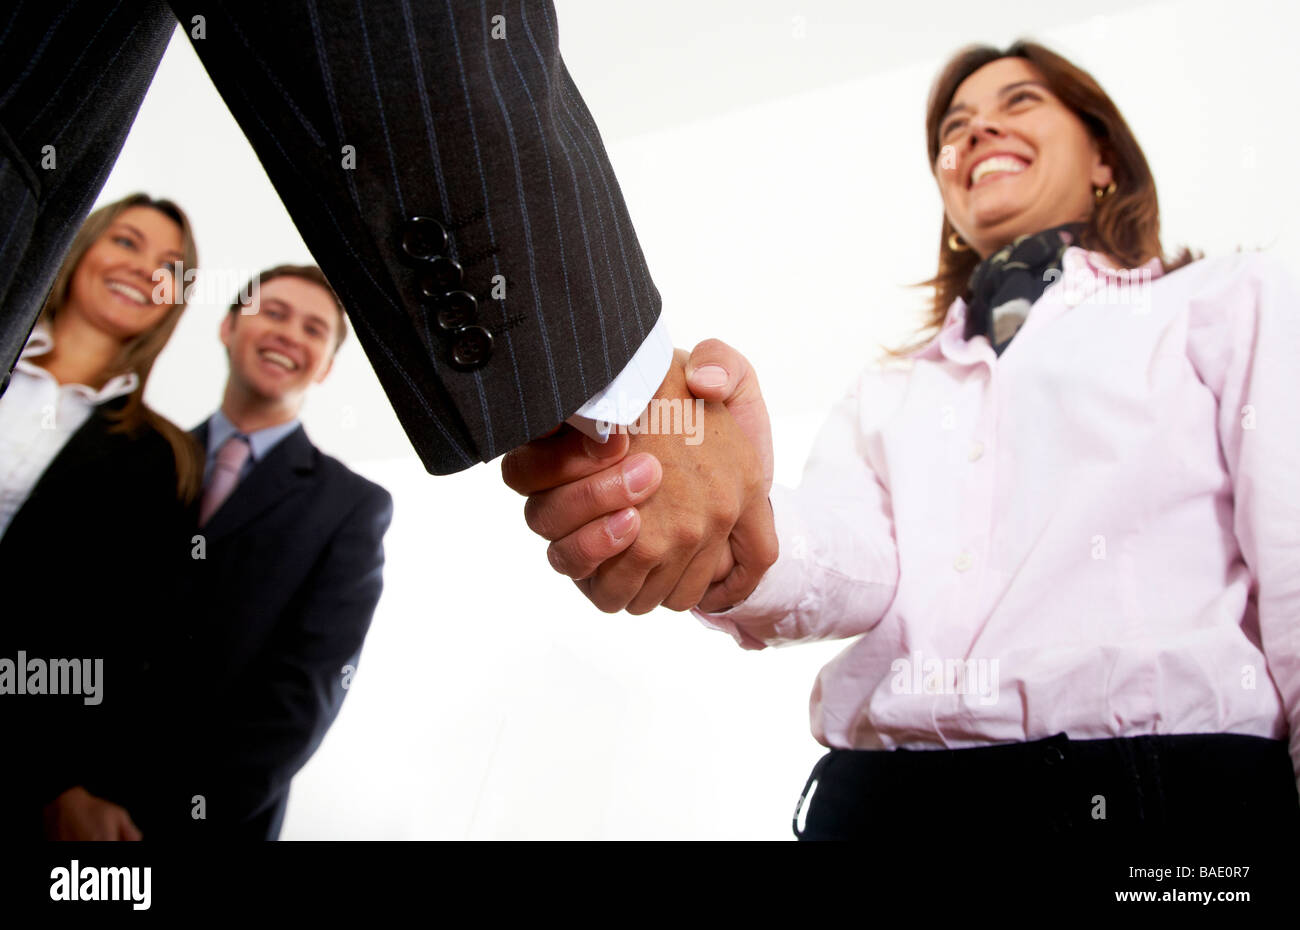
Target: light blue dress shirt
{"type": "Point", "coordinates": [261, 442]}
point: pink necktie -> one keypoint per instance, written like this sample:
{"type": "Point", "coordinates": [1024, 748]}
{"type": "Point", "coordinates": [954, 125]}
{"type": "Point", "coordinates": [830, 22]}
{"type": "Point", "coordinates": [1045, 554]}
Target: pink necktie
{"type": "Point", "coordinates": [230, 459]}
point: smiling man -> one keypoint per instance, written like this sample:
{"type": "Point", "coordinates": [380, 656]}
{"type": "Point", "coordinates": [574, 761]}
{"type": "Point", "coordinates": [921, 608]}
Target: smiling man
{"type": "Point", "coordinates": [287, 568]}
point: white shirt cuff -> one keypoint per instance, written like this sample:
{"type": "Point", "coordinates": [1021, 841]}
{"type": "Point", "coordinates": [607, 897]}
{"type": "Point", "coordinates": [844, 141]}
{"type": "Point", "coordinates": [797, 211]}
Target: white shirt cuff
{"type": "Point", "coordinates": [626, 397]}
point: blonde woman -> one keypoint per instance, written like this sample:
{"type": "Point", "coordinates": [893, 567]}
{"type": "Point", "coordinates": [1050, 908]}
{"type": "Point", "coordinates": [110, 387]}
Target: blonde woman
{"type": "Point", "coordinates": [93, 494]}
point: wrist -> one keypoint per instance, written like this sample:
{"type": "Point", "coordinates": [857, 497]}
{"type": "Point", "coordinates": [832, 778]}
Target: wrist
{"type": "Point", "coordinates": [674, 382]}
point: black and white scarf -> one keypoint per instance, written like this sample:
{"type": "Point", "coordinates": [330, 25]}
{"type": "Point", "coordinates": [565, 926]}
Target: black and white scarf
{"type": "Point", "coordinates": [1004, 286]}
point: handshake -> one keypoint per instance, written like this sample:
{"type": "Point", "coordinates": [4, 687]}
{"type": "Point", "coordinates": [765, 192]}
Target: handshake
{"type": "Point", "coordinates": [648, 520]}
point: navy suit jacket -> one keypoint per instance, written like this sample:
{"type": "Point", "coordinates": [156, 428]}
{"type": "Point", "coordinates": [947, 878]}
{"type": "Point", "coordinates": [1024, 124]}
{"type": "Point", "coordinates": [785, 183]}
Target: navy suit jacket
{"type": "Point", "coordinates": [517, 295]}
{"type": "Point", "coordinates": [277, 610]}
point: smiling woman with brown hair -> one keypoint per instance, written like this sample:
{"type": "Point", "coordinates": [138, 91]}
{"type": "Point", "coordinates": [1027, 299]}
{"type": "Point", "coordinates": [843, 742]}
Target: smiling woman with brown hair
{"type": "Point", "coordinates": [1079, 134]}
{"type": "Point", "coordinates": [1060, 529]}
{"type": "Point", "coordinates": [93, 494]}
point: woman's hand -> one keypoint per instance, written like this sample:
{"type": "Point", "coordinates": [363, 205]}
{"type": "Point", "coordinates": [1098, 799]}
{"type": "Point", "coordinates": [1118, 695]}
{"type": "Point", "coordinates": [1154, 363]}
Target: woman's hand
{"type": "Point", "coordinates": [593, 502]}
{"type": "Point", "coordinates": [79, 815]}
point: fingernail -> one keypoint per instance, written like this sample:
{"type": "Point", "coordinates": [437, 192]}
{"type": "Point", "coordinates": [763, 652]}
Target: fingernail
{"type": "Point", "coordinates": [638, 476]}
{"type": "Point", "coordinates": [621, 523]}
{"type": "Point", "coordinates": [709, 376]}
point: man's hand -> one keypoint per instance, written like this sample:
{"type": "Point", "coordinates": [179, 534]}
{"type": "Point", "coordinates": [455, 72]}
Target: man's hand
{"type": "Point", "coordinates": [713, 502]}
{"type": "Point", "coordinates": [549, 470]}
{"type": "Point", "coordinates": [79, 815]}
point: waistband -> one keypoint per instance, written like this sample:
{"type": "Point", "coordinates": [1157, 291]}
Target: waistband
{"type": "Point", "coordinates": [1200, 781]}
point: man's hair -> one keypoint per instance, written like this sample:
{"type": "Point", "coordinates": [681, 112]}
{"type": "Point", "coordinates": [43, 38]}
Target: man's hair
{"type": "Point", "coordinates": [307, 273]}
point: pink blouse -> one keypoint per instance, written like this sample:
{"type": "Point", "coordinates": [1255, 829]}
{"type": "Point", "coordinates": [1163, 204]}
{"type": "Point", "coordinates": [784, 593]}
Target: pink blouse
{"type": "Point", "coordinates": [1097, 532]}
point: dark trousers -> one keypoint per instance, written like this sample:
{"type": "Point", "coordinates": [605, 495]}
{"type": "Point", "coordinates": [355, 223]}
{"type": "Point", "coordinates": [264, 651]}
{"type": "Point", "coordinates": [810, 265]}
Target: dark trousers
{"type": "Point", "coordinates": [1199, 784]}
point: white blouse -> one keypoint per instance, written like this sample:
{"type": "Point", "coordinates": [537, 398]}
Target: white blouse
{"type": "Point", "coordinates": [38, 416]}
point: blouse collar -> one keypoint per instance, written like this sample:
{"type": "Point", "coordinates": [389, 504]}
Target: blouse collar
{"type": "Point", "coordinates": [41, 342]}
{"type": "Point", "coordinates": [1082, 271]}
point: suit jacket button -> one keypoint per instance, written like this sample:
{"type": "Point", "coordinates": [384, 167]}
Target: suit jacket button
{"type": "Point", "coordinates": [440, 275]}
{"type": "Point", "coordinates": [456, 309]}
{"type": "Point", "coordinates": [424, 238]}
{"type": "Point", "coordinates": [472, 349]}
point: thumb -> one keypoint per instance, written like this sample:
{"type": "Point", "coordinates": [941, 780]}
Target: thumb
{"type": "Point", "coordinates": [717, 372]}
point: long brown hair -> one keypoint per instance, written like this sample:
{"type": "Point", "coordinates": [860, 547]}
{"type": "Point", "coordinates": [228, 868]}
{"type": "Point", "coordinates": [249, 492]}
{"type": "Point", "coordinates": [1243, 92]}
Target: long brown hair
{"type": "Point", "coordinates": [1125, 224]}
{"type": "Point", "coordinates": [139, 353]}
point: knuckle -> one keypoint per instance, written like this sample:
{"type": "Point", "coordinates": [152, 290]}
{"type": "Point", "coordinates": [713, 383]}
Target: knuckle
{"type": "Point", "coordinates": [678, 602]}
{"type": "Point", "coordinates": [726, 504]}
{"type": "Point", "coordinates": [645, 555]}
{"type": "Point", "coordinates": [606, 599]}
{"type": "Point", "coordinates": [538, 517]}
{"type": "Point", "coordinates": [592, 546]}
{"type": "Point", "coordinates": [690, 536]}
{"type": "Point", "coordinates": [590, 497]}
{"type": "Point", "coordinates": [512, 471]}
{"type": "Point", "coordinates": [710, 347]}
{"type": "Point", "coordinates": [643, 602]}
{"type": "Point", "coordinates": [561, 560]}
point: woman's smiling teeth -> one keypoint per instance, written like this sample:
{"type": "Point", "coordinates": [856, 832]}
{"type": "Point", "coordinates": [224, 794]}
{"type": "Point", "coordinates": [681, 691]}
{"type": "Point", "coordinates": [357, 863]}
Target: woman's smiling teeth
{"type": "Point", "coordinates": [133, 294]}
{"type": "Point", "coordinates": [280, 359]}
{"type": "Point", "coordinates": [997, 163]}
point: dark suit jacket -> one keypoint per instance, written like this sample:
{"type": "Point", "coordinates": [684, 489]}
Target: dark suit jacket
{"type": "Point", "coordinates": [366, 115]}
{"type": "Point", "coordinates": [86, 567]}
{"type": "Point", "coordinates": [278, 609]}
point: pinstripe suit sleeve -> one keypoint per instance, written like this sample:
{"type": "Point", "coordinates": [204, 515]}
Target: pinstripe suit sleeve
{"type": "Point", "coordinates": [72, 76]}
{"type": "Point", "coordinates": [366, 115]}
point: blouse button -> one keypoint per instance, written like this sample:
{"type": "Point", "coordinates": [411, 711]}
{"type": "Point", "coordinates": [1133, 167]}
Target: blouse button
{"type": "Point", "coordinates": [962, 562]}
{"type": "Point", "coordinates": [976, 451]}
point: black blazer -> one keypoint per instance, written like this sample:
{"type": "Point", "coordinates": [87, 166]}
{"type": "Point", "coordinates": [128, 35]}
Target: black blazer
{"type": "Point", "coordinates": [87, 567]}
{"type": "Point", "coordinates": [278, 609]}
{"type": "Point", "coordinates": [365, 116]}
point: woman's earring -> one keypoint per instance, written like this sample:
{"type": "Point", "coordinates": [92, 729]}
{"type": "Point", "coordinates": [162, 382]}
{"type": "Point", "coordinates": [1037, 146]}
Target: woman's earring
{"type": "Point", "coordinates": [1099, 193]}
{"type": "Point", "coordinates": [956, 244]}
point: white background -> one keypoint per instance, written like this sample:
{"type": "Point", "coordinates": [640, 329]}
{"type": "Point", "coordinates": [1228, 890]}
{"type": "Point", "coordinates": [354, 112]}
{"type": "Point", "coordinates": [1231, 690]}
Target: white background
{"type": "Point", "coordinates": [772, 155]}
